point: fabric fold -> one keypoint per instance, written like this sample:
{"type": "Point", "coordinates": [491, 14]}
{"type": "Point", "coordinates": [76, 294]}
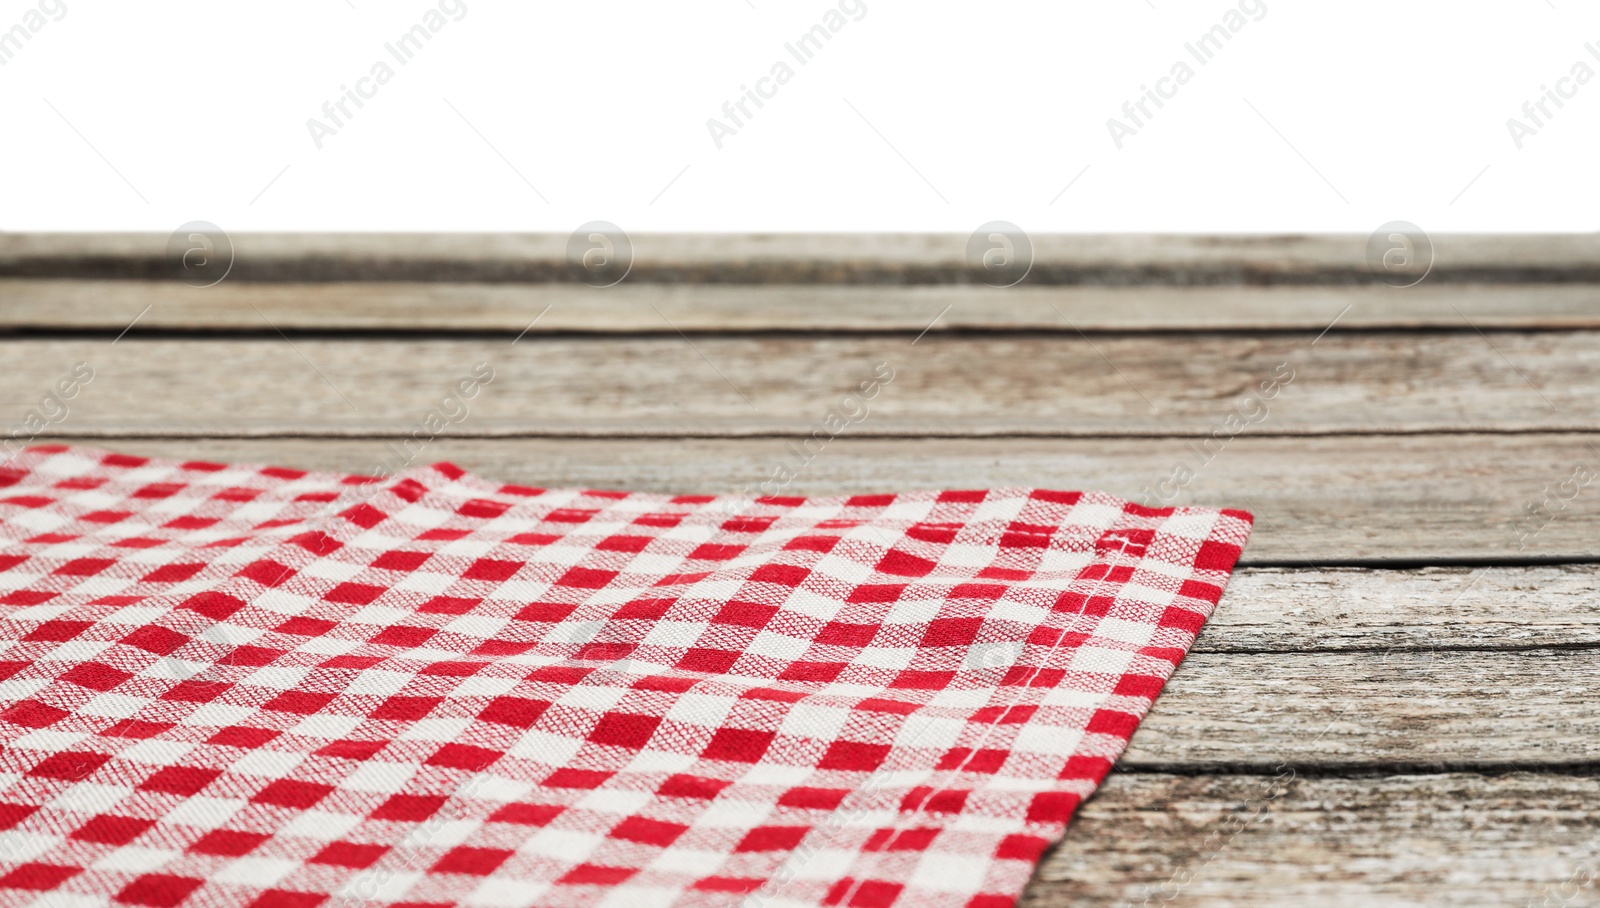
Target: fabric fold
{"type": "Point", "coordinates": [244, 685]}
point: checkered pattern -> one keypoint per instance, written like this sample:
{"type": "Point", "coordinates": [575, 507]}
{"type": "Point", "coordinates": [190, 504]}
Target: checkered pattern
{"type": "Point", "coordinates": [229, 685]}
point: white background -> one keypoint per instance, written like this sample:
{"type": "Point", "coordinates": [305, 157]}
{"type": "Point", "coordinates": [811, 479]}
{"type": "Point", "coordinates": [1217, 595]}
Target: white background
{"type": "Point", "coordinates": [1387, 110]}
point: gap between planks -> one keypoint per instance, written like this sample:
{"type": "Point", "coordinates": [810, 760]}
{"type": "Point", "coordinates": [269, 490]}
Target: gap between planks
{"type": "Point", "coordinates": [392, 308]}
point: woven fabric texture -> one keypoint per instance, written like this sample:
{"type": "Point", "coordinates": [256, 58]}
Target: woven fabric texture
{"type": "Point", "coordinates": [238, 685]}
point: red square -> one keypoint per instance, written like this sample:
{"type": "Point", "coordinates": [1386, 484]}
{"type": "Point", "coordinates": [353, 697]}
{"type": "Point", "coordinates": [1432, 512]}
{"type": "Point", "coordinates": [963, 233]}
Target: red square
{"type": "Point", "coordinates": [84, 567]}
{"type": "Point", "coordinates": [172, 573]}
{"type": "Point", "coordinates": [228, 843]}
{"type": "Point", "coordinates": [1052, 807]}
{"type": "Point", "coordinates": [292, 793]}
{"type": "Point", "coordinates": [576, 778]}
{"type": "Point", "coordinates": [403, 636]}
{"type": "Point", "coordinates": [355, 593]}
{"type": "Point", "coordinates": [708, 661]}
{"type": "Point", "coordinates": [69, 766]}
{"type": "Point", "coordinates": [404, 808]}
{"type": "Point", "coordinates": [527, 814]}
{"type": "Point", "coordinates": [180, 780]}
{"type": "Point", "coordinates": [33, 714]}
{"type": "Point", "coordinates": [772, 838]}
{"type": "Point", "coordinates": [585, 578]}
{"type": "Point", "coordinates": [401, 561]}
{"type": "Point", "coordinates": [37, 876]}
{"type": "Point", "coordinates": [464, 756]}
{"type": "Point", "coordinates": [904, 564]}
{"type": "Point", "coordinates": [110, 829]}
{"type": "Point", "coordinates": [696, 787]}
{"type": "Point", "coordinates": [624, 730]}
{"type": "Point", "coordinates": [839, 633]}
{"type": "Point", "coordinates": [492, 569]}
{"type": "Point", "coordinates": [95, 676]}
{"type": "Point", "coordinates": [648, 832]}
{"type": "Point", "coordinates": [158, 889]}
{"type": "Point", "coordinates": [785, 575]}
{"type": "Point", "coordinates": [56, 631]}
{"type": "Point", "coordinates": [853, 756]}
{"type": "Point", "coordinates": [349, 854]}
{"type": "Point", "coordinates": [596, 875]}
{"type": "Point", "coordinates": [213, 605]}
{"type": "Point", "coordinates": [518, 712]}
{"type": "Point", "coordinates": [813, 798]}
{"type": "Point", "coordinates": [1216, 556]}
{"type": "Point", "coordinates": [740, 745]}
{"type": "Point", "coordinates": [155, 639]}
{"type": "Point", "coordinates": [267, 573]}
{"type": "Point", "coordinates": [473, 861]}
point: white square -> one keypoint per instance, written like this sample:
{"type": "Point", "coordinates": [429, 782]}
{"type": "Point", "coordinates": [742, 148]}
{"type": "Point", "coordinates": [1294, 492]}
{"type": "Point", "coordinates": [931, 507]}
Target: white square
{"type": "Point", "coordinates": [441, 730]}
{"type": "Point", "coordinates": [592, 697]}
{"type": "Point", "coordinates": [378, 683]}
{"type": "Point", "coordinates": [114, 706]}
{"type": "Point", "coordinates": [944, 871]}
{"type": "Point", "coordinates": [157, 752]}
{"type": "Point", "coordinates": [1038, 738]}
{"type": "Point", "coordinates": [379, 776]}
{"type": "Point", "coordinates": [886, 657]}
{"type": "Point", "coordinates": [256, 873]}
{"type": "Point", "coordinates": [90, 797]}
{"type": "Point", "coordinates": [204, 813]}
{"type": "Point", "coordinates": [272, 764]}
{"type": "Point", "coordinates": [326, 726]}
{"type": "Point", "coordinates": [505, 892]}
{"type": "Point", "coordinates": [1100, 660]}
{"type": "Point", "coordinates": [565, 845]}
{"type": "Point", "coordinates": [49, 740]}
{"type": "Point", "coordinates": [1135, 632]}
{"type": "Point", "coordinates": [681, 634]}
{"type": "Point", "coordinates": [20, 847]}
{"type": "Point", "coordinates": [14, 689]}
{"type": "Point", "coordinates": [778, 646]}
{"type": "Point", "coordinates": [546, 748]}
{"type": "Point", "coordinates": [705, 710]}
{"type": "Point", "coordinates": [319, 825]}
{"type": "Point", "coordinates": [814, 721]}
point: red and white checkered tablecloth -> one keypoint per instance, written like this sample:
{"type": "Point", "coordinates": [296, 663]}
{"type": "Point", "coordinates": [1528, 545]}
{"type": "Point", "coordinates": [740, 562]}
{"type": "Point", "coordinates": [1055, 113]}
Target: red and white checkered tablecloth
{"type": "Point", "coordinates": [236, 685]}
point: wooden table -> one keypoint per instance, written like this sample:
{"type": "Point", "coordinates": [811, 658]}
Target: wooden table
{"type": "Point", "coordinates": [1395, 703]}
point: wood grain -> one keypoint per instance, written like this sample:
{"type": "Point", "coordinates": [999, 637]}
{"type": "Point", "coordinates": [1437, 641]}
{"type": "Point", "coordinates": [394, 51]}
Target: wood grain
{"type": "Point", "coordinates": [1240, 842]}
{"type": "Point", "coordinates": [894, 259]}
{"type": "Point", "coordinates": [1417, 431]}
{"type": "Point", "coordinates": [1422, 710]}
{"type": "Point", "coordinates": [438, 307]}
{"type": "Point", "coordinates": [1317, 501]}
{"type": "Point", "coordinates": [1057, 386]}
{"type": "Point", "coordinates": [1436, 610]}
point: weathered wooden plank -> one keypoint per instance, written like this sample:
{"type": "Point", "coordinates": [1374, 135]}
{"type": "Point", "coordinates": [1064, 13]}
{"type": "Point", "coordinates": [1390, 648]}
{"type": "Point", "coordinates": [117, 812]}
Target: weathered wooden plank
{"type": "Point", "coordinates": [1429, 709]}
{"type": "Point", "coordinates": [1318, 501]}
{"type": "Point", "coordinates": [811, 258]}
{"type": "Point", "coordinates": [630, 308]}
{"type": "Point", "coordinates": [1255, 841]}
{"type": "Point", "coordinates": [1201, 385]}
{"type": "Point", "coordinates": [1429, 610]}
